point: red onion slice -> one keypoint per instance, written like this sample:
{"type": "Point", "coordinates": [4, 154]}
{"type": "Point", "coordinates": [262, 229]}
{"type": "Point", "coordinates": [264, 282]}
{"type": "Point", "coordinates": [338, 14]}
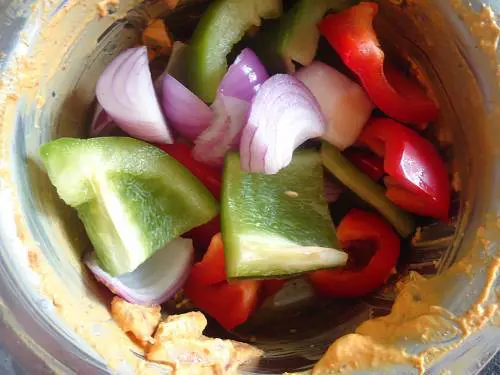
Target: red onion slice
{"type": "Point", "coordinates": [176, 66]}
{"type": "Point", "coordinates": [244, 77]}
{"type": "Point", "coordinates": [154, 281]}
{"type": "Point", "coordinates": [102, 123]}
{"type": "Point", "coordinates": [344, 103]}
{"type": "Point", "coordinates": [126, 92]}
{"type": "Point", "coordinates": [230, 108]}
{"type": "Point", "coordinates": [224, 133]}
{"type": "Point", "coordinates": [186, 113]}
{"type": "Point", "coordinates": [284, 114]}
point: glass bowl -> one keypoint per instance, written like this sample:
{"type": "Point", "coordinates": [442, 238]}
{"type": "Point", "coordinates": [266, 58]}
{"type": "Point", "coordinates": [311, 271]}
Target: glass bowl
{"type": "Point", "coordinates": [55, 316]}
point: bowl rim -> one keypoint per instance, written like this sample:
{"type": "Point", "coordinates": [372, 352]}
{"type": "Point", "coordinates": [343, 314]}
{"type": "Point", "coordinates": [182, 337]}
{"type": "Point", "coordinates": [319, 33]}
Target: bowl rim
{"type": "Point", "coordinates": [33, 338]}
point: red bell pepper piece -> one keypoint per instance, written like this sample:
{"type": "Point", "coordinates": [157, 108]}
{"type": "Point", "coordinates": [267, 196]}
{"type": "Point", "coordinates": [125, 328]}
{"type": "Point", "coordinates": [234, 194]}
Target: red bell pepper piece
{"type": "Point", "coordinates": [370, 164]}
{"type": "Point", "coordinates": [211, 270]}
{"type": "Point", "coordinates": [210, 177]}
{"type": "Point", "coordinates": [419, 177]}
{"type": "Point", "coordinates": [358, 229]}
{"type": "Point", "coordinates": [229, 303]}
{"type": "Point", "coordinates": [351, 34]}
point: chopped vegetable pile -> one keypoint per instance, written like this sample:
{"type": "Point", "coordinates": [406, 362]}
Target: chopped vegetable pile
{"type": "Point", "coordinates": [270, 139]}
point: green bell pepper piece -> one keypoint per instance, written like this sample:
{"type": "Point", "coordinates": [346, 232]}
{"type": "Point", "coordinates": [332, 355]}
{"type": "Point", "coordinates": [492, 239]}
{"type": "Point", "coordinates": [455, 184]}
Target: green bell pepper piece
{"type": "Point", "coordinates": [277, 225]}
{"type": "Point", "coordinates": [131, 197]}
{"type": "Point", "coordinates": [366, 189]}
{"type": "Point", "coordinates": [222, 25]}
{"type": "Point", "coordinates": [296, 36]}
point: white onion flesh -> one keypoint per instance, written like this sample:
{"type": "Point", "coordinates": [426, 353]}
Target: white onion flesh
{"type": "Point", "coordinates": [224, 132]}
{"type": "Point", "coordinates": [154, 281]}
{"type": "Point", "coordinates": [284, 114]}
{"type": "Point", "coordinates": [126, 92]}
{"type": "Point", "coordinates": [344, 103]}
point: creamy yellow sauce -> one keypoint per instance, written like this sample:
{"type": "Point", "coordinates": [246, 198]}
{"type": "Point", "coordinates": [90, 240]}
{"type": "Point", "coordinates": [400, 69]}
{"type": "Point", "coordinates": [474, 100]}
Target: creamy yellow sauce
{"type": "Point", "coordinates": [417, 314]}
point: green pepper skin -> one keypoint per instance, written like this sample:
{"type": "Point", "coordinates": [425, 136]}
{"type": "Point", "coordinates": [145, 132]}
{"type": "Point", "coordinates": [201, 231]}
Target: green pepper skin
{"type": "Point", "coordinates": [295, 37]}
{"type": "Point", "coordinates": [131, 197]}
{"type": "Point", "coordinates": [277, 225]}
{"type": "Point", "coordinates": [222, 26]}
{"type": "Point", "coordinates": [366, 189]}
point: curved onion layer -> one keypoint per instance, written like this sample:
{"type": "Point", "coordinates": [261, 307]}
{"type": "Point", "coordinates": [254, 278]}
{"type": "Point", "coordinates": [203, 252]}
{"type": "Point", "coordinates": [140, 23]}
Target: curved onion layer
{"type": "Point", "coordinates": [344, 103]}
{"type": "Point", "coordinates": [102, 124]}
{"type": "Point", "coordinates": [224, 133]}
{"type": "Point", "coordinates": [176, 66]}
{"type": "Point", "coordinates": [125, 91]}
{"type": "Point", "coordinates": [244, 77]}
{"type": "Point", "coordinates": [154, 281]}
{"type": "Point", "coordinates": [186, 113]}
{"type": "Point", "coordinates": [230, 108]}
{"type": "Point", "coordinates": [284, 114]}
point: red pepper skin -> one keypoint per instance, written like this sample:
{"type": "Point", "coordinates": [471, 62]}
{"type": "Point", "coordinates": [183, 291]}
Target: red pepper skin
{"type": "Point", "coordinates": [211, 270]}
{"type": "Point", "coordinates": [421, 184]}
{"type": "Point", "coordinates": [371, 165]}
{"type": "Point", "coordinates": [357, 226]}
{"type": "Point", "coordinates": [229, 303]}
{"type": "Point", "coordinates": [210, 177]}
{"type": "Point", "coordinates": [351, 34]}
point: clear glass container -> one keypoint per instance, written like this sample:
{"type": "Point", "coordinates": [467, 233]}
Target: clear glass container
{"type": "Point", "coordinates": [52, 53]}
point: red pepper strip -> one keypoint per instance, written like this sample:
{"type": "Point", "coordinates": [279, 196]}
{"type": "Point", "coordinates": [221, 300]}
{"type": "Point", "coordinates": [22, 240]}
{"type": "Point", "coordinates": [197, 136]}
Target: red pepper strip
{"type": "Point", "coordinates": [210, 177]}
{"type": "Point", "coordinates": [211, 270]}
{"type": "Point", "coordinates": [365, 227]}
{"type": "Point", "coordinates": [351, 34]}
{"type": "Point", "coordinates": [370, 164]}
{"type": "Point", "coordinates": [229, 303]}
{"type": "Point", "coordinates": [420, 181]}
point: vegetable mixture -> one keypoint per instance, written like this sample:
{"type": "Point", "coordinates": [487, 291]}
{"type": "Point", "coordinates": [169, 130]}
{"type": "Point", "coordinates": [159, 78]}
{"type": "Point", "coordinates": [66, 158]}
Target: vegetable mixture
{"type": "Point", "coordinates": [234, 157]}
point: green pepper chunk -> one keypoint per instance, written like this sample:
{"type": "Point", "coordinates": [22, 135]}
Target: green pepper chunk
{"type": "Point", "coordinates": [131, 197]}
{"type": "Point", "coordinates": [277, 225]}
{"type": "Point", "coordinates": [295, 37]}
{"type": "Point", "coordinates": [222, 25]}
{"type": "Point", "coordinates": [366, 189]}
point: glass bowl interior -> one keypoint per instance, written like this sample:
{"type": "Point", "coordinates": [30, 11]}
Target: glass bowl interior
{"type": "Point", "coordinates": [295, 333]}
